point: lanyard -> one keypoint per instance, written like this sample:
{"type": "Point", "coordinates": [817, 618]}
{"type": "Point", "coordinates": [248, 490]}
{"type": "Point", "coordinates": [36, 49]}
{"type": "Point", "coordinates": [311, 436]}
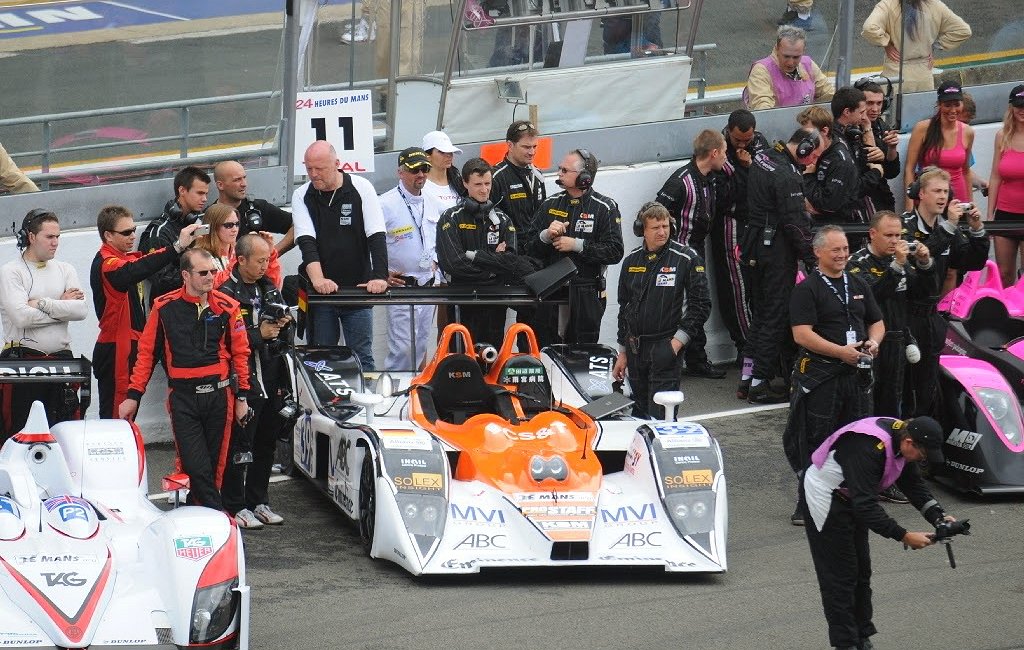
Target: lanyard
{"type": "Point", "coordinates": [423, 209]}
{"type": "Point", "coordinates": [844, 299]}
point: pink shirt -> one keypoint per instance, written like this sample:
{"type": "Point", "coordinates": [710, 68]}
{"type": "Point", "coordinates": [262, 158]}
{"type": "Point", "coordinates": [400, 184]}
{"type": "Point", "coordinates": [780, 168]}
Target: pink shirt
{"type": "Point", "coordinates": [952, 161]}
{"type": "Point", "coordinates": [1011, 185]}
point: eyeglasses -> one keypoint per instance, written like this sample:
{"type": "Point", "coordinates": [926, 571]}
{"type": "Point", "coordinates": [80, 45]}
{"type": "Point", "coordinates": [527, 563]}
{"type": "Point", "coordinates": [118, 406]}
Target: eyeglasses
{"type": "Point", "coordinates": [229, 224]}
{"type": "Point", "coordinates": [422, 169]}
{"type": "Point", "coordinates": [563, 170]}
{"type": "Point", "coordinates": [205, 272]}
{"type": "Point", "coordinates": [128, 232]}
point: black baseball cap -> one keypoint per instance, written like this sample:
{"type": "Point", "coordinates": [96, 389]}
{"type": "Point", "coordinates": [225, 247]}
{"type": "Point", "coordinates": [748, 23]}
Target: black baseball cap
{"type": "Point", "coordinates": [1017, 96]}
{"type": "Point", "coordinates": [413, 158]}
{"type": "Point", "coordinates": [928, 434]}
{"type": "Point", "coordinates": [950, 91]}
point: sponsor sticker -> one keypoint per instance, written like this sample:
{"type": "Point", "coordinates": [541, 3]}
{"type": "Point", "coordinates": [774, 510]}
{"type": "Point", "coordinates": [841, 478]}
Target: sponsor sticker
{"type": "Point", "coordinates": [193, 548]}
{"type": "Point", "coordinates": [404, 439]}
{"type": "Point", "coordinates": [964, 439]}
{"type": "Point", "coordinates": [665, 280]}
{"type": "Point", "coordinates": [420, 481]}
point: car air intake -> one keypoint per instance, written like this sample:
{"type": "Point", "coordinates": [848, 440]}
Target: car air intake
{"type": "Point", "coordinates": [565, 551]}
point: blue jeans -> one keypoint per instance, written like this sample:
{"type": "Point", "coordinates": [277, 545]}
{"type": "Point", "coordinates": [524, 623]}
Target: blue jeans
{"type": "Point", "coordinates": [356, 323]}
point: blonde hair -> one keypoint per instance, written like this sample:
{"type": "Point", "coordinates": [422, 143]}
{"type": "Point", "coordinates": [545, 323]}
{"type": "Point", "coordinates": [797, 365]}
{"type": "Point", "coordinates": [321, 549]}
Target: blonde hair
{"type": "Point", "coordinates": [1009, 129]}
{"type": "Point", "coordinates": [818, 116]}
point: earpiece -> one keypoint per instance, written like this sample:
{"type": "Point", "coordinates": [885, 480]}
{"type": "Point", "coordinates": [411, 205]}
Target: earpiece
{"type": "Point", "coordinates": [21, 237]}
{"type": "Point", "coordinates": [585, 178]}
{"type": "Point", "coordinates": [808, 144]}
{"type": "Point", "coordinates": [861, 84]}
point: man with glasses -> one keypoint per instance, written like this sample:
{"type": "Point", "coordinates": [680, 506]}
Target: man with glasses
{"type": "Point", "coordinates": [203, 338]}
{"type": "Point", "coordinates": [39, 295]}
{"type": "Point", "coordinates": [116, 279]}
{"type": "Point", "coordinates": [410, 232]}
{"type": "Point", "coordinates": [585, 226]}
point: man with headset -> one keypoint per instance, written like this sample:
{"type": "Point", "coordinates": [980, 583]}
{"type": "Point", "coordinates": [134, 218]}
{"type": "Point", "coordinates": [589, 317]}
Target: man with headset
{"type": "Point", "coordinates": [38, 297]}
{"type": "Point", "coordinates": [191, 187]}
{"type": "Point", "coordinates": [585, 226]}
{"type": "Point", "coordinates": [776, 238]}
{"type": "Point", "coordinates": [254, 215]}
{"type": "Point", "coordinates": [663, 303]}
{"type": "Point", "coordinates": [881, 141]}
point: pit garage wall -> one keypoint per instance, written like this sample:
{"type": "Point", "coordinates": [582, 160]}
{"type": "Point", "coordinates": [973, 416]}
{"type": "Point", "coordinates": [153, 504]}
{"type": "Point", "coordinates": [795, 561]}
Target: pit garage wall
{"type": "Point", "coordinates": [630, 186]}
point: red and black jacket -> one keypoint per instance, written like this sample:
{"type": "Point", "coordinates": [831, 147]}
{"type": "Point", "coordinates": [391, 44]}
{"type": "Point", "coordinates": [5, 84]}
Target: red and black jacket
{"type": "Point", "coordinates": [117, 293]}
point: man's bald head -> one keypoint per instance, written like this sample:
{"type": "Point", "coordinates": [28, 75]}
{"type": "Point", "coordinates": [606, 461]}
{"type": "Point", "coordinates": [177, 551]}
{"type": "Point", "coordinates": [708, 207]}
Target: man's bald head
{"type": "Point", "coordinates": [231, 183]}
{"type": "Point", "coordinates": [321, 161]}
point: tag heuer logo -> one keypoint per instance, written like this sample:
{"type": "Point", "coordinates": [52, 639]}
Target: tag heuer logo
{"type": "Point", "coordinates": [193, 548]}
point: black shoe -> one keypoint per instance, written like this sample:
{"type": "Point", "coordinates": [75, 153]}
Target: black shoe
{"type": "Point", "coordinates": [788, 16]}
{"type": "Point", "coordinates": [703, 369]}
{"type": "Point", "coordinates": [892, 494]}
{"type": "Point", "coordinates": [797, 518]}
{"type": "Point", "coordinates": [765, 393]}
{"type": "Point", "coordinates": [865, 644]}
{"type": "Point", "coordinates": [743, 389]}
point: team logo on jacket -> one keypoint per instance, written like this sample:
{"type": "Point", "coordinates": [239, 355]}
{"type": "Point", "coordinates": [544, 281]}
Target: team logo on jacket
{"type": "Point", "coordinates": [665, 280]}
{"type": "Point", "coordinates": [193, 548]}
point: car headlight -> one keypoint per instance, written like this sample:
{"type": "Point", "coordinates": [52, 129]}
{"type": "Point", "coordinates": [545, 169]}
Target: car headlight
{"type": "Point", "coordinates": [421, 513]}
{"type": "Point", "coordinates": [692, 512]}
{"type": "Point", "coordinates": [1000, 407]}
{"type": "Point", "coordinates": [213, 610]}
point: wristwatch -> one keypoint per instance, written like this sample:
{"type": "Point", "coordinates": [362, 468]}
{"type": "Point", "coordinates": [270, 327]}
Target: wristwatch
{"type": "Point", "coordinates": [241, 398]}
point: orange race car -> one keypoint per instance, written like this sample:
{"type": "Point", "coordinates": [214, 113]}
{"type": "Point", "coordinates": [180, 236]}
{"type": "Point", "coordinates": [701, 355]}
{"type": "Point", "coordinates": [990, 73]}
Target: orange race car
{"type": "Point", "coordinates": [479, 461]}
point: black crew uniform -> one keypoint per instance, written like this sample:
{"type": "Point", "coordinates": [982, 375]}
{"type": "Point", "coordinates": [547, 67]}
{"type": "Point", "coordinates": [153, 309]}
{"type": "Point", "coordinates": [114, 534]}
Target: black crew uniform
{"type": "Point", "coordinates": [518, 192]}
{"type": "Point", "coordinates": [733, 300]}
{"type": "Point", "coordinates": [880, 193]}
{"type": "Point", "coordinates": [838, 187]}
{"type": "Point", "coordinates": [593, 219]}
{"type": "Point", "coordinates": [691, 198]}
{"type": "Point", "coordinates": [777, 235]}
{"type": "Point", "coordinates": [467, 240]}
{"type": "Point", "coordinates": [247, 487]}
{"type": "Point", "coordinates": [272, 218]}
{"type": "Point", "coordinates": [839, 544]}
{"type": "Point", "coordinates": [951, 248]}
{"type": "Point", "coordinates": [206, 350]}
{"type": "Point", "coordinates": [893, 286]}
{"type": "Point", "coordinates": [663, 295]}
{"type": "Point", "coordinates": [828, 393]}
{"type": "Point", "coordinates": [162, 232]}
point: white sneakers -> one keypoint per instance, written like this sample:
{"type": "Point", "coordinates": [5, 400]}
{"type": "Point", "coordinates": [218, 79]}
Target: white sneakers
{"type": "Point", "coordinates": [255, 520]}
{"type": "Point", "coordinates": [246, 519]}
{"type": "Point", "coordinates": [358, 32]}
{"type": "Point", "coordinates": [268, 516]}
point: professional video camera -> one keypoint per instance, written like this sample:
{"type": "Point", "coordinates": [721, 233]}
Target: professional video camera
{"type": "Point", "coordinates": [945, 531]}
{"type": "Point", "coordinates": [272, 312]}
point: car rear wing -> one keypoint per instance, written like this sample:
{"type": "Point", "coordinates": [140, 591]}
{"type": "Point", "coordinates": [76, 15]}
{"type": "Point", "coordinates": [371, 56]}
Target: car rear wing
{"type": "Point", "coordinates": [49, 370]}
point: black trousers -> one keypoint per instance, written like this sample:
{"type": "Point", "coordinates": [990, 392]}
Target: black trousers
{"type": "Point", "coordinates": [730, 288]}
{"type": "Point", "coordinates": [486, 324]}
{"type": "Point", "coordinates": [246, 485]}
{"type": "Point", "coordinates": [815, 415]}
{"type": "Point", "coordinates": [770, 341]}
{"type": "Point", "coordinates": [201, 424]}
{"type": "Point", "coordinates": [112, 365]}
{"type": "Point", "coordinates": [842, 562]}
{"type": "Point", "coordinates": [889, 368]}
{"type": "Point", "coordinates": [653, 368]}
{"type": "Point", "coordinates": [921, 386]}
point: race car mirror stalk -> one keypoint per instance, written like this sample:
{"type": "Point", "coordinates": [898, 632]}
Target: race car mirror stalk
{"type": "Point", "coordinates": [670, 399]}
{"type": "Point", "coordinates": [367, 401]}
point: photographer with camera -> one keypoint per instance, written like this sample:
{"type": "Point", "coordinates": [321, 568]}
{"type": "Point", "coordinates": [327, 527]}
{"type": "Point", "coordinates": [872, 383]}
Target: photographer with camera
{"type": "Point", "coordinates": [255, 215]}
{"type": "Point", "coordinates": [191, 187]}
{"type": "Point", "coordinates": [842, 477]}
{"type": "Point", "coordinates": [938, 222]}
{"type": "Point", "coordinates": [254, 441]}
{"type": "Point", "coordinates": [897, 272]}
{"type": "Point", "coordinates": [837, 325]}
{"type": "Point", "coordinates": [881, 141]}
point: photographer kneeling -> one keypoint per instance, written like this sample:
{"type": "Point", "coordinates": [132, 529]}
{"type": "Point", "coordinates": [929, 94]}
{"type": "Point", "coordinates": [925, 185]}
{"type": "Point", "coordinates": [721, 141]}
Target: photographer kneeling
{"type": "Point", "coordinates": [839, 489]}
{"type": "Point", "coordinates": [247, 476]}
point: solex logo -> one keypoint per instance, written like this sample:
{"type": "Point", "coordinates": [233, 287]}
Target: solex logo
{"type": "Point", "coordinates": [690, 478]}
{"type": "Point", "coordinates": [420, 481]}
{"type": "Point", "coordinates": [63, 579]}
{"type": "Point", "coordinates": [193, 548]}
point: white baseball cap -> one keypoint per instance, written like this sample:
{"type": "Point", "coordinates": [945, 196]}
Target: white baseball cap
{"type": "Point", "coordinates": [440, 141]}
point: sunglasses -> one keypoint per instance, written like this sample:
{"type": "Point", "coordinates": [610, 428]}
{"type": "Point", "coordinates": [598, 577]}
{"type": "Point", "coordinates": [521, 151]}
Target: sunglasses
{"type": "Point", "coordinates": [229, 224]}
{"type": "Point", "coordinates": [128, 232]}
{"type": "Point", "coordinates": [205, 272]}
{"type": "Point", "coordinates": [422, 169]}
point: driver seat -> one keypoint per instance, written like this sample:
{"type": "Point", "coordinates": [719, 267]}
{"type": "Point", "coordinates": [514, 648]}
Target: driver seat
{"type": "Point", "coordinates": [990, 324]}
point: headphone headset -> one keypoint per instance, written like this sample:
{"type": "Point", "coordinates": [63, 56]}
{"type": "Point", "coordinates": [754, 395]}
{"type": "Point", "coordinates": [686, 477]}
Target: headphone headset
{"type": "Point", "coordinates": [585, 177]}
{"type": "Point", "coordinates": [174, 213]}
{"type": "Point", "coordinates": [860, 84]}
{"type": "Point", "coordinates": [808, 144]}
{"type": "Point", "coordinates": [21, 237]}
{"type": "Point", "coordinates": [914, 191]}
{"type": "Point", "coordinates": [638, 222]}
{"type": "Point", "coordinates": [474, 207]}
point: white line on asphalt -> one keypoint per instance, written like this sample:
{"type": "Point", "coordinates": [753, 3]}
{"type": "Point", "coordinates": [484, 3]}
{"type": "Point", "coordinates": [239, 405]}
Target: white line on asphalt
{"type": "Point", "coordinates": [144, 11]}
{"type": "Point", "coordinates": [159, 496]}
{"type": "Point", "coordinates": [745, 411]}
{"type": "Point", "coordinates": [212, 33]}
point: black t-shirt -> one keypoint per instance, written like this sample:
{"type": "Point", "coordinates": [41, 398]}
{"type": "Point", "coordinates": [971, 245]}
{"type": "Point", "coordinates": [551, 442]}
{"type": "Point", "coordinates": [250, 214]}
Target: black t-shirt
{"type": "Point", "coordinates": [833, 306]}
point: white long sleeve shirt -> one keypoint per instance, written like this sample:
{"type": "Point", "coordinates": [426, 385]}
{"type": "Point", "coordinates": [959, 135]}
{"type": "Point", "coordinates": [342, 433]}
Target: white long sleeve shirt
{"type": "Point", "coordinates": [43, 328]}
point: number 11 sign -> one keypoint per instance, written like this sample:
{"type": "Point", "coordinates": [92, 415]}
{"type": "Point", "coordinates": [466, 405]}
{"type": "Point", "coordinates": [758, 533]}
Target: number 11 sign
{"type": "Point", "coordinates": [342, 117]}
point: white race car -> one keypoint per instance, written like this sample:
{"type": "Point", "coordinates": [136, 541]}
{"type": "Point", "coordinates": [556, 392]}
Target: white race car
{"type": "Point", "coordinates": [507, 459]}
{"type": "Point", "coordinates": [87, 561]}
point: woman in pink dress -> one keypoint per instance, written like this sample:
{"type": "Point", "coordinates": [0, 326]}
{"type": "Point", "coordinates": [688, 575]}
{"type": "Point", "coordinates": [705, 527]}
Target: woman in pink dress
{"type": "Point", "coordinates": [1006, 185]}
{"type": "Point", "coordinates": [943, 141]}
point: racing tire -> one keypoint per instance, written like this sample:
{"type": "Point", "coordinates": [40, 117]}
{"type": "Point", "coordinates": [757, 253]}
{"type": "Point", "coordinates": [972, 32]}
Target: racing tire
{"type": "Point", "coordinates": [367, 501]}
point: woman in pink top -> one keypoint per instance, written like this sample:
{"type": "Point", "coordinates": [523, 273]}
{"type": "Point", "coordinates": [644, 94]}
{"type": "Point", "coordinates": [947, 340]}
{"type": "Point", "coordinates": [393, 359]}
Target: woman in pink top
{"type": "Point", "coordinates": [1006, 185]}
{"type": "Point", "coordinates": [943, 141]}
